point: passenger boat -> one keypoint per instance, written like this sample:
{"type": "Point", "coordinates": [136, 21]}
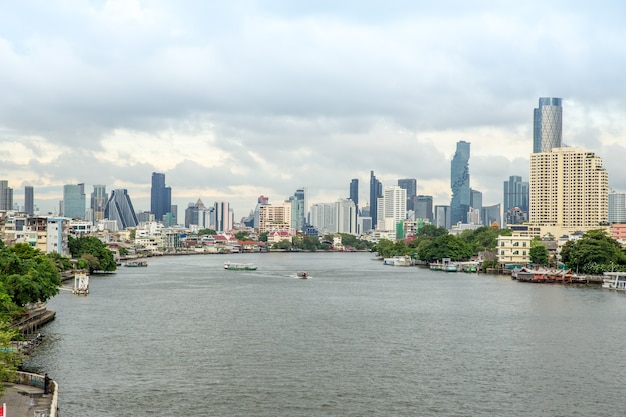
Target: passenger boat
{"type": "Point", "coordinates": [302, 275]}
{"type": "Point", "coordinates": [614, 281]}
{"type": "Point", "coordinates": [398, 261]}
{"type": "Point", "coordinates": [139, 262]}
{"type": "Point", "coordinates": [239, 266]}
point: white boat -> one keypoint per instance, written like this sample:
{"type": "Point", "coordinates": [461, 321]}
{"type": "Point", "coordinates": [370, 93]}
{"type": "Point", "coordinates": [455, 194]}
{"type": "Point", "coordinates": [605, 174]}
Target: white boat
{"type": "Point", "coordinates": [398, 261]}
{"type": "Point", "coordinates": [614, 281]}
{"type": "Point", "coordinates": [302, 274]}
{"type": "Point", "coordinates": [239, 266]}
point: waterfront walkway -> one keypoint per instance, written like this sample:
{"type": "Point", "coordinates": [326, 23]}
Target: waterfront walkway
{"type": "Point", "coordinates": [25, 400]}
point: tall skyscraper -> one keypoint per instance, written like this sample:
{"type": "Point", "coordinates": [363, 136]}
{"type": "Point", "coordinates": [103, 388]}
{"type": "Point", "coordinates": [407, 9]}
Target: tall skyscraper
{"type": "Point", "coordinates": [346, 217]}
{"type": "Point", "coordinates": [354, 192]}
{"type": "Point", "coordinates": [6, 196]}
{"type": "Point", "coordinates": [299, 209]}
{"type": "Point", "coordinates": [617, 207]}
{"type": "Point", "coordinates": [548, 125]}
{"type": "Point", "coordinates": [410, 185]}
{"type": "Point", "coordinates": [160, 197]}
{"type": "Point", "coordinates": [29, 200]}
{"type": "Point", "coordinates": [74, 201]}
{"type": "Point", "coordinates": [223, 216]}
{"type": "Point", "coordinates": [424, 207]}
{"type": "Point", "coordinates": [515, 200]}
{"type": "Point", "coordinates": [460, 183]}
{"type": "Point", "coordinates": [568, 191]}
{"type": "Point", "coordinates": [120, 208]}
{"type": "Point", "coordinates": [99, 198]}
{"type": "Point", "coordinates": [376, 190]}
{"type": "Point", "coordinates": [490, 215]}
{"type": "Point", "coordinates": [391, 208]}
{"type": "Point", "coordinates": [442, 216]}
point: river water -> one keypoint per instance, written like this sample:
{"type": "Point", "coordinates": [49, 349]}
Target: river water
{"type": "Point", "coordinates": [184, 337]}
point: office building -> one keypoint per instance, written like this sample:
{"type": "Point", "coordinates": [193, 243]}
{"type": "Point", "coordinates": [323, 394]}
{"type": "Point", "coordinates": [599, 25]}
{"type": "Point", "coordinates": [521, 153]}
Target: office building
{"type": "Point", "coordinates": [223, 216]}
{"type": "Point", "coordinates": [262, 200]}
{"type": "Point", "coordinates": [376, 190]}
{"type": "Point", "coordinates": [6, 196]}
{"type": "Point", "coordinates": [391, 208]}
{"type": "Point", "coordinates": [568, 191]}
{"type": "Point", "coordinates": [74, 201]}
{"type": "Point", "coordinates": [548, 125]}
{"type": "Point", "coordinates": [299, 209]}
{"type": "Point", "coordinates": [460, 183]}
{"type": "Point", "coordinates": [160, 197]}
{"type": "Point", "coordinates": [515, 200]}
{"type": "Point", "coordinates": [120, 208]}
{"type": "Point", "coordinates": [354, 192]}
{"type": "Point", "coordinates": [275, 218]}
{"type": "Point", "coordinates": [491, 215]}
{"type": "Point", "coordinates": [198, 214]}
{"type": "Point", "coordinates": [346, 216]}
{"type": "Point", "coordinates": [424, 207]}
{"type": "Point", "coordinates": [29, 200]}
{"type": "Point", "coordinates": [99, 198]}
{"type": "Point", "coordinates": [410, 185]}
{"type": "Point", "coordinates": [617, 207]}
{"type": "Point", "coordinates": [476, 199]}
{"type": "Point", "coordinates": [442, 217]}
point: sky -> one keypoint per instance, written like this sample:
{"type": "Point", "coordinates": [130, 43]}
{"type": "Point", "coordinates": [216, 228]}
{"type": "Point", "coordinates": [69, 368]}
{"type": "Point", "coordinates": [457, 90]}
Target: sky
{"type": "Point", "coordinates": [233, 100]}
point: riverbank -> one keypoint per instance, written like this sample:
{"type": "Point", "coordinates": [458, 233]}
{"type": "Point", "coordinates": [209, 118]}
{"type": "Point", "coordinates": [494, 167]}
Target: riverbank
{"type": "Point", "coordinates": [25, 397]}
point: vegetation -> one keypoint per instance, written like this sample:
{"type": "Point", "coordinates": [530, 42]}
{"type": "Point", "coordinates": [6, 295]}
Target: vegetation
{"type": "Point", "coordinates": [92, 254]}
{"type": "Point", "coordinates": [242, 235]}
{"type": "Point", "coordinates": [594, 253]}
{"type": "Point", "coordinates": [538, 252]}
{"type": "Point", "coordinates": [203, 232]}
{"type": "Point", "coordinates": [9, 359]}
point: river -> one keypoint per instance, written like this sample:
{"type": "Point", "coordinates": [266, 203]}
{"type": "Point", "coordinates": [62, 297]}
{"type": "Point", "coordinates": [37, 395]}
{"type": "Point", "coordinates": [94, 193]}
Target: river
{"type": "Point", "coordinates": [184, 337]}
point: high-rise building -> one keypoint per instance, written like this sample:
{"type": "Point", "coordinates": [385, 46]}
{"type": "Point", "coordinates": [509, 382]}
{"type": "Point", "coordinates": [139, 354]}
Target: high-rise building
{"type": "Point", "coordinates": [262, 200]}
{"type": "Point", "coordinates": [29, 200]}
{"type": "Point", "coordinates": [346, 222]}
{"type": "Point", "coordinates": [568, 191]}
{"type": "Point", "coordinates": [274, 218]}
{"type": "Point", "coordinates": [198, 214]}
{"type": "Point", "coordinates": [442, 217]}
{"type": "Point", "coordinates": [299, 209]}
{"type": "Point", "coordinates": [160, 197]}
{"type": "Point", "coordinates": [323, 217]}
{"type": "Point", "coordinates": [74, 201]}
{"type": "Point", "coordinates": [548, 125]}
{"type": "Point", "coordinates": [460, 183]}
{"type": "Point", "coordinates": [99, 198]}
{"type": "Point", "coordinates": [120, 208]}
{"type": "Point", "coordinates": [391, 208]}
{"type": "Point", "coordinates": [491, 215]}
{"type": "Point", "coordinates": [354, 192]}
{"type": "Point", "coordinates": [476, 199]}
{"type": "Point", "coordinates": [515, 194]}
{"type": "Point", "coordinates": [223, 216]}
{"type": "Point", "coordinates": [424, 207]}
{"type": "Point", "coordinates": [410, 185]}
{"type": "Point", "coordinates": [376, 190]}
{"type": "Point", "coordinates": [6, 196]}
{"type": "Point", "coordinates": [617, 207]}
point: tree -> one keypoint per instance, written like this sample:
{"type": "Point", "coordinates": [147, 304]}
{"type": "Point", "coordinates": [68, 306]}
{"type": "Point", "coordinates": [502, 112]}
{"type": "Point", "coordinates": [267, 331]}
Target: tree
{"type": "Point", "coordinates": [538, 252]}
{"type": "Point", "coordinates": [445, 246]}
{"type": "Point", "coordinates": [93, 246]}
{"type": "Point", "coordinates": [9, 358]}
{"type": "Point", "coordinates": [594, 253]}
{"type": "Point", "coordinates": [27, 275]}
{"type": "Point", "coordinates": [484, 238]}
{"type": "Point", "coordinates": [263, 236]}
{"type": "Point", "coordinates": [203, 232]}
{"type": "Point", "coordinates": [242, 235]}
{"type": "Point", "coordinates": [432, 231]}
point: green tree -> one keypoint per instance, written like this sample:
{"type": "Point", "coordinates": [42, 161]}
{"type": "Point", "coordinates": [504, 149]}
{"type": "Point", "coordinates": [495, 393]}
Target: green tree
{"type": "Point", "coordinates": [445, 246]}
{"type": "Point", "coordinates": [432, 231]}
{"type": "Point", "coordinates": [263, 236]}
{"type": "Point", "coordinates": [93, 246]}
{"type": "Point", "coordinates": [595, 252]}
{"type": "Point", "coordinates": [242, 235]}
{"type": "Point", "coordinates": [9, 359]}
{"type": "Point", "coordinates": [484, 238]}
{"type": "Point", "coordinates": [27, 275]}
{"type": "Point", "coordinates": [203, 232]}
{"type": "Point", "coordinates": [538, 252]}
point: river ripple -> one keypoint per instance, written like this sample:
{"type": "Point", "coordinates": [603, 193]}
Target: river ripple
{"type": "Point", "coordinates": [183, 337]}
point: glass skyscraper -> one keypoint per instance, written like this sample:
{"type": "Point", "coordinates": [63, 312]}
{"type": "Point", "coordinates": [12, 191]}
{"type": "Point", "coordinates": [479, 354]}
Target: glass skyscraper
{"type": "Point", "coordinates": [120, 208]}
{"type": "Point", "coordinates": [29, 200]}
{"type": "Point", "coordinates": [376, 190]}
{"type": "Point", "coordinates": [460, 183]}
{"type": "Point", "coordinates": [548, 125]}
{"type": "Point", "coordinates": [160, 197]}
{"type": "Point", "coordinates": [74, 203]}
{"type": "Point", "coordinates": [354, 192]}
{"type": "Point", "coordinates": [99, 198]}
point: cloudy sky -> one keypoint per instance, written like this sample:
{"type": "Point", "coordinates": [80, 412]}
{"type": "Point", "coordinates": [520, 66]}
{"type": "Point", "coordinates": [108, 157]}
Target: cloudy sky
{"type": "Point", "coordinates": [232, 100]}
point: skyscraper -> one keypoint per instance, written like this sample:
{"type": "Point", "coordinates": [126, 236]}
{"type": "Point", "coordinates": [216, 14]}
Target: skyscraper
{"type": "Point", "coordinates": [160, 196]}
{"type": "Point", "coordinates": [548, 125]}
{"type": "Point", "coordinates": [376, 190]}
{"type": "Point", "coordinates": [354, 192]}
{"type": "Point", "coordinates": [223, 216]}
{"type": "Point", "coordinates": [6, 196]}
{"type": "Point", "coordinates": [99, 198]}
{"type": "Point", "coordinates": [391, 208]}
{"type": "Point", "coordinates": [460, 183]}
{"type": "Point", "coordinates": [29, 200]}
{"type": "Point", "coordinates": [74, 201]}
{"type": "Point", "coordinates": [299, 209]}
{"type": "Point", "coordinates": [568, 191]}
{"type": "Point", "coordinates": [120, 208]}
{"type": "Point", "coordinates": [424, 207]}
{"type": "Point", "coordinates": [410, 185]}
{"type": "Point", "coordinates": [617, 207]}
{"type": "Point", "coordinates": [515, 196]}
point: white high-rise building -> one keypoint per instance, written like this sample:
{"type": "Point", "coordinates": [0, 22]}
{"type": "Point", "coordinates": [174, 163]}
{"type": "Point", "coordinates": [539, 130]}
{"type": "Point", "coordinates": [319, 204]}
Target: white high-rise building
{"type": "Point", "coordinates": [391, 207]}
{"type": "Point", "coordinates": [345, 210]}
{"type": "Point", "coordinates": [274, 218]}
{"type": "Point", "coordinates": [568, 191]}
{"type": "Point", "coordinates": [617, 207]}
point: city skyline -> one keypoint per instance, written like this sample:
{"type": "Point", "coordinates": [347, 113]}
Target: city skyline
{"type": "Point", "coordinates": [238, 100]}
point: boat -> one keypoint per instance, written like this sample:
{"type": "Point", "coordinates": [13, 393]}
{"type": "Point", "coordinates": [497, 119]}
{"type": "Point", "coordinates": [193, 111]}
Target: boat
{"type": "Point", "coordinates": [302, 275]}
{"type": "Point", "coordinates": [451, 267]}
{"type": "Point", "coordinates": [239, 266]}
{"type": "Point", "coordinates": [137, 263]}
{"type": "Point", "coordinates": [614, 281]}
{"type": "Point", "coordinates": [398, 261]}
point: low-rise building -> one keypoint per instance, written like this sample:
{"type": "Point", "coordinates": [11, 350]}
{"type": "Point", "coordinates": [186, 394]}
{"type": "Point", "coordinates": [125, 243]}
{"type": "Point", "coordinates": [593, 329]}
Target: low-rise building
{"type": "Point", "coordinates": [514, 249]}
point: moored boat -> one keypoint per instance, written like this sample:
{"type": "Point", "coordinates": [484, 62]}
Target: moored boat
{"type": "Point", "coordinates": [614, 281]}
{"type": "Point", "coordinates": [240, 266]}
{"type": "Point", "coordinates": [136, 263]}
{"type": "Point", "coordinates": [398, 261]}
